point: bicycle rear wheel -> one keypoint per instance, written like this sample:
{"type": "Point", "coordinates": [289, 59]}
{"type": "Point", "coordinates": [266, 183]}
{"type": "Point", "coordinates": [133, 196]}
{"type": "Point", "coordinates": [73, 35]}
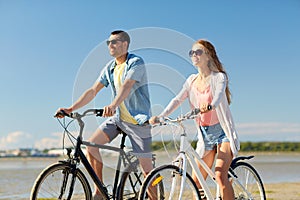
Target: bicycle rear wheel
{"type": "Point", "coordinates": [248, 185]}
{"type": "Point", "coordinates": [165, 183]}
{"type": "Point", "coordinates": [55, 183]}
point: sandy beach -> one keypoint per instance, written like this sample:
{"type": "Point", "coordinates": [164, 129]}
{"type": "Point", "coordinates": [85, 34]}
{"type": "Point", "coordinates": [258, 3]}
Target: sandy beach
{"type": "Point", "coordinates": [283, 191]}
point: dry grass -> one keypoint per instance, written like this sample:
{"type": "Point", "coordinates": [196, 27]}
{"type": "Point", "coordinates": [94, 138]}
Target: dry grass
{"type": "Point", "coordinates": [288, 191]}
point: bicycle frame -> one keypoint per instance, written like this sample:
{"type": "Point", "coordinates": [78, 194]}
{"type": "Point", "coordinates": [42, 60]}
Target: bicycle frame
{"type": "Point", "coordinates": [122, 157]}
{"type": "Point", "coordinates": [188, 154]}
{"type": "Point", "coordinates": [191, 153]}
{"type": "Point", "coordinates": [79, 154]}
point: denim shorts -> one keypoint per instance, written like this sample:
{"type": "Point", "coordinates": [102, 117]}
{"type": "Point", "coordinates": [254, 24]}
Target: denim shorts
{"type": "Point", "coordinates": [139, 135]}
{"type": "Point", "coordinates": [212, 136]}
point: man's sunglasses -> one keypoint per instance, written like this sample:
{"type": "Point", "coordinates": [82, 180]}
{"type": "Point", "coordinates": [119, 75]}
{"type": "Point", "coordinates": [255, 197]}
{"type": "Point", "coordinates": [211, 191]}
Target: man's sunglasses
{"type": "Point", "coordinates": [113, 41]}
{"type": "Point", "coordinates": [198, 52]}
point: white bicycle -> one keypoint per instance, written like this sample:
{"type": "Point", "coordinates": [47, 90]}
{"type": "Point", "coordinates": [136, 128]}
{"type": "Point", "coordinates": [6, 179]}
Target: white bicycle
{"type": "Point", "coordinates": [172, 181]}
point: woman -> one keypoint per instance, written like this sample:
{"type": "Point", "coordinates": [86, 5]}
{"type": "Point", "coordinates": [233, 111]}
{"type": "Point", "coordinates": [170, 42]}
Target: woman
{"type": "Point", "coordinates": [217, 137]}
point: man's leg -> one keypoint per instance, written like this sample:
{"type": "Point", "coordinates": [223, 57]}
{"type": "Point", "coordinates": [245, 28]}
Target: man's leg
{"type": "Point", "coordinates": [141, 140]}
{"type": "Point", "coordinates": [94, 156]}
{"type": "Point", "coordinates": [147, 166]}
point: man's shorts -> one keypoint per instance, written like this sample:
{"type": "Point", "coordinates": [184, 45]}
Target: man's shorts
{"type": "Point", "coordinates": [139, 135]}
{"type": "Point", "coordinates": [212, 136]}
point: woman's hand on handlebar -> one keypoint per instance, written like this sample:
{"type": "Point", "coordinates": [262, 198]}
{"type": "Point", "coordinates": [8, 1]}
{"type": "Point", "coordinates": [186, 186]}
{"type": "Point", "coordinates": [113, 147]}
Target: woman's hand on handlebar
{"type": "Point", "coordinates": [205, 107]}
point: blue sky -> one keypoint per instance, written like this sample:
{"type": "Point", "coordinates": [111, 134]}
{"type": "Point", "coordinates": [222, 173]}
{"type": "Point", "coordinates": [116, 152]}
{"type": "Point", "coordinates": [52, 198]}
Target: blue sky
{"type": "Point", "coordinates": [46, 48]}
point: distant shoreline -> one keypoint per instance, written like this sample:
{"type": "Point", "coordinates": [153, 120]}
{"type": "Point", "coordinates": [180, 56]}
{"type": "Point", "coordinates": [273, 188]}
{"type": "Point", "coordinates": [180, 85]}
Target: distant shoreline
{"type": "Point", "coordinates": [31, 158]}
{"type": "Point", "coordinates": [268, 153]}
{"type": "Point", "coordinates": [246, 146]}
{"type": "Point", "coordinates": [251, 152]}
{"type": "Point", "coordinates": [241, 153]}
{"type": "Point", "coordinates": [47, 156]}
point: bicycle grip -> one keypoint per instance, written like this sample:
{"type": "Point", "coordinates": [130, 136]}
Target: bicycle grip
{"type": "Point", "coordinates": [99, 112]}
{"type": "Point", "coordinates": [196, 111]}
{"type": "Point", "coordinates": [61, 113]}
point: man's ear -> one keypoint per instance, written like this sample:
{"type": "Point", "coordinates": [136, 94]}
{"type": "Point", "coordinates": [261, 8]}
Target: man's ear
{"type": "Point", "coordinates": [126, 44]}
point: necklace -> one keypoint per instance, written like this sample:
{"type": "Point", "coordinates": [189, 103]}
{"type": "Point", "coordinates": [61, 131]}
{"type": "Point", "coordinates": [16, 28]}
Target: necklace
{"type": "Point", "coordinates": [202, 82]}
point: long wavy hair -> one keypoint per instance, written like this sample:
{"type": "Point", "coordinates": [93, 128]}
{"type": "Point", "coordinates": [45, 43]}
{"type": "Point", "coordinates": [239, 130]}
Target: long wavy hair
{"type": "Point", "coordinates": [214, 63]}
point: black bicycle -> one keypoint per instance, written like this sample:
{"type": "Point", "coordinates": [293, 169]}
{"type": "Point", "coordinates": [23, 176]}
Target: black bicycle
{"type": "Point", "coordinates": [65, 179]}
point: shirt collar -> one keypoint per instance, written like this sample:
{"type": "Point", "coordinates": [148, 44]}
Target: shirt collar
{"type": "Point", "coordinates": [113, 64]}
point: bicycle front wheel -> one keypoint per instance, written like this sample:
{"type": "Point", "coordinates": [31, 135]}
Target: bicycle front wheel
{"type": "Point", "coordinates": [60, 181]}
{"type": "Point", "coordinates": [165, 183]}
{"type": "Point", "coordinates": [248, 184]}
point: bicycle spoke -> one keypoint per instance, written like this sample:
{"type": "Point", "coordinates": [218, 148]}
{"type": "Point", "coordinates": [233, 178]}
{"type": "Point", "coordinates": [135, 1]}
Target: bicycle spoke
{"type": "Point", "coordinates": [165, 183]}
{"type": "Point", "coordinates": [248, 184]}
{"type": "Point", "coordinates": [56, 181]}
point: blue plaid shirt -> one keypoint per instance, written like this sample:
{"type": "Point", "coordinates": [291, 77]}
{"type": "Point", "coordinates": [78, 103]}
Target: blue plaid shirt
{"type": "Point", "coordinates": [138, 101]}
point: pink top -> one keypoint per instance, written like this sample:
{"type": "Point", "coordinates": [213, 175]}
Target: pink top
{"type": "Point", "coordinates": [209, 118]}
{"type": "Point", "coordinates": [219, 103]}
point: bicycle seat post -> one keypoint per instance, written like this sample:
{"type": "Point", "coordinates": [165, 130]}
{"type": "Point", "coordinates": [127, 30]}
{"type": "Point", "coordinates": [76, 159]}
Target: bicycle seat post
{"type": "Point", "coordinates": [117, 172]}
{"type": "Point", "coordinates": [122, 145]}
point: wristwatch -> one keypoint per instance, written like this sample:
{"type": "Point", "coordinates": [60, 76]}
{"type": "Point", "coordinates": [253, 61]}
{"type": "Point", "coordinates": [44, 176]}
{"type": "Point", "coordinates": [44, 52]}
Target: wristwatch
{"type": "Point", "coordinates": [209, 107]}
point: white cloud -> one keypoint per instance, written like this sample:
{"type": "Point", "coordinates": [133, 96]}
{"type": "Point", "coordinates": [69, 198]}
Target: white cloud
{"type": "Point", "coordinates": [269, 127]}
{"type": "Point", "coordinates": [55, 140]}
{"type": "Point", "coordinates": [21, 139]}
{"type": "Point", "coordinates": [47, 143]}
{"type": "Point", "coordinates": [269, 131]}
{"type": "Point", "coordinates": [15, 140]}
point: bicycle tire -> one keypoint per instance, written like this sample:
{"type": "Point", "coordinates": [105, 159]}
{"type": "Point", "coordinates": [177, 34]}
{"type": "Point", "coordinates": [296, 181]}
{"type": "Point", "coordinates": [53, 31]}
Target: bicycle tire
{"type": "Point", "coordinates": [250, 180]}
{"type": "Point", "coordinates": [130, 185]}
{"type": "Point", "coordinates": [162, 177]}
{"type": "Point", "coordinates": [54, 183]}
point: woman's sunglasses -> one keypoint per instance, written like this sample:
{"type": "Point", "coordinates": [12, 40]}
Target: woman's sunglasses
{"type": "Point", "coordinates": [113, 41]}
{"type": "Point", "coordinates": [198, 52]}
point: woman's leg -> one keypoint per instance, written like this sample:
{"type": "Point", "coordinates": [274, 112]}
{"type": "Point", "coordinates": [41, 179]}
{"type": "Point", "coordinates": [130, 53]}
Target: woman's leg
{"type": "Point", "coordinates": [223, 161]}
{"type": "Point", "coordinates": [208, 158]}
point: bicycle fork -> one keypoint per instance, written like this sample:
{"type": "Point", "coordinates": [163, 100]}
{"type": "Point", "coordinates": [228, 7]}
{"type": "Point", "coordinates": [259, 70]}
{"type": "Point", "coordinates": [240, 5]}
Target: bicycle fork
{"type": "Point", "coordinates": [183, 175]}
{"type": "Point", "coordinates": [68, 174]}
{"type": "Point", "coordinates": [64, 183]}
{"type": "Point", "coordinates": [180, 161]}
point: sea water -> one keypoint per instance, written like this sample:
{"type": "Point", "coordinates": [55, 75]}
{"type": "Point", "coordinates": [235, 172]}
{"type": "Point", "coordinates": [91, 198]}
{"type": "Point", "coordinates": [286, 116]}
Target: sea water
{"type": "Point", "coordinates": [17, 175]}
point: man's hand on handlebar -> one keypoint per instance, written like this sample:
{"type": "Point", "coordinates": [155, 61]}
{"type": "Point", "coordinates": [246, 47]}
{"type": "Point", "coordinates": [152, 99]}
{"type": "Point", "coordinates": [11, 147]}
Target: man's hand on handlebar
{"type": "Point", "coordinates": [62, 112]}
{"type": "Point", "coordinates": [153, 120]}
{"type": "Point", "coordinates": [109, 111]}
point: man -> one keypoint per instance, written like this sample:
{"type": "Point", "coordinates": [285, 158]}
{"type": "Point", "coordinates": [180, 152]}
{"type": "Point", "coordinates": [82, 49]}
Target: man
{"type": "Point", "coordinates": [130, 108]}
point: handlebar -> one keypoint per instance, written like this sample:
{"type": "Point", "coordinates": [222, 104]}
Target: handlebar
{"type": "Point", "coordinates": [62, 113]}
{"type": "Point", "coordinates": [78, 117]}
{"type": "Point", "coordinates": [189, 115]}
